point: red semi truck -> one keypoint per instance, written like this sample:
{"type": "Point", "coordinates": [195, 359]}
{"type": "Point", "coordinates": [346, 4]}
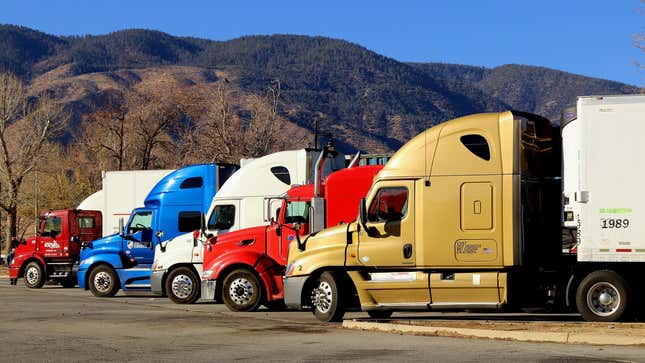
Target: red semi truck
{"type": "Point", "coordinates": [52, 253]}
{"type": "Point", "coordinates": [244, 268]}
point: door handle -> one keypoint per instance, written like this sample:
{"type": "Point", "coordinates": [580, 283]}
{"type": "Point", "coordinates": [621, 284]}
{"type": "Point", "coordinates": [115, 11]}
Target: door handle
{"type": "Point", "coordinates": [407, 250]}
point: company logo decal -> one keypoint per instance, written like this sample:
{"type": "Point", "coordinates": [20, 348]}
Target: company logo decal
{"type": "Point", "coordinates": [52, 244]}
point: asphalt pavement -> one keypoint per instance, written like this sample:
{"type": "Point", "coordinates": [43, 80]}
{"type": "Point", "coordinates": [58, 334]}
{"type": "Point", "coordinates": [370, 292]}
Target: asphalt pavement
{"type": "Point", "coordinates": [56, 324]}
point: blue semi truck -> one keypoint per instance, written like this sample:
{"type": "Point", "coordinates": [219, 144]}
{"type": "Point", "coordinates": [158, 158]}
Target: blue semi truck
{"type": "Point", "coordinates": [174, 206]}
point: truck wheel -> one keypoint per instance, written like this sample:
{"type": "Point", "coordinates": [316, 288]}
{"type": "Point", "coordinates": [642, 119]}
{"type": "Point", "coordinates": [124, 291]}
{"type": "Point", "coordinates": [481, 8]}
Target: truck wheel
{"type": "Point", "coordinates": [325, 297]}
{"type": "Point", "coordinates": [182, 286]}
{"type": "Point", "coordinates": [602, 296]}
{"type": "Point", "coordinates": [242, 291]}
{"type": "Point", "coordinates": [379, 314]}
{"type": "Point", "coordinates": [34, 275]}
{"type": "Point", "coordinates": [103, 282]}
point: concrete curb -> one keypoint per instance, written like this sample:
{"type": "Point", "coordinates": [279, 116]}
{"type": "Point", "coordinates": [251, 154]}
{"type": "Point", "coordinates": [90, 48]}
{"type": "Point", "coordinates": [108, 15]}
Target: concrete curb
{"type": "Point", "coordinates": [523, 336]}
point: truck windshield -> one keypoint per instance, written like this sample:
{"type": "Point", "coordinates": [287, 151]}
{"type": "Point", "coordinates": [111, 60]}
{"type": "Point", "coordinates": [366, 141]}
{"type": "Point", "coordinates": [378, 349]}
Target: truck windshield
{"type": "Point", "coordinates": [52, 226]}
{"type": "Point", "coordinates": [297, 212]}
{"type": "Point", "coordinates": [140, 221]}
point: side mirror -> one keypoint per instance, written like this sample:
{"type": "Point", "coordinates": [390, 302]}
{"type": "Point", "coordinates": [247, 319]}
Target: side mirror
{"type": "Point", "coordinates": [209, 242]}
{"type": "Point", "coordinates": [121, 229]}
{"type": "Point", "coordinates": [196, 234]}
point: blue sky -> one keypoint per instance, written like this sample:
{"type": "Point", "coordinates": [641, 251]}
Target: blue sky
{"type": "Point", "coordinates": [589, 37]}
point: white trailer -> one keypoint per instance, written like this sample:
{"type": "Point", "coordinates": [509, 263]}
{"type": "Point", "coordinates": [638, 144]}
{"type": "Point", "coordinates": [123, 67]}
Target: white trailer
{"type": "Point", "coordinates": [604, 166]}
{"type": "Point", "coordinates": [243, 201]}
{"type": "Point", "coordinates": [122, 192]}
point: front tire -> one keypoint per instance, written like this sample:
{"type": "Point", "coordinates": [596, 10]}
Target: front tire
{"type": "Point", "coordinates": [182, 286]}
{"type": "Point", "coordinates": [34, 275]}
{"type": "Point", "coordinates": [603, 296]}
{"type": "Point", "coordinates": [103, 282]}
{"type": "Point", "coordinates": [241, 291]}
{"type": "Point", "coordinates": [326, 299]}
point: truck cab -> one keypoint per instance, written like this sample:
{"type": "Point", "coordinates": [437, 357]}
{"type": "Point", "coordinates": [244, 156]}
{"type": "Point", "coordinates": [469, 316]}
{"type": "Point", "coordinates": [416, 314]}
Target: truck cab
{"type": "Point", "coordinates": [244, 201]}
{"type": "Point", "coordinates": [465, 215]}
{"type": "Point", "coordinates": [244, 268]}
{"type": "Point", "coordinates": [52, 253]}
{"type": "Point", "coordinates": [175, 205]}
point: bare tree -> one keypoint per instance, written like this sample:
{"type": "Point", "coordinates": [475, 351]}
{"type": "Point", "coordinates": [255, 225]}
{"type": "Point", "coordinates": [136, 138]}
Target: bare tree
{"type": "Point", "coordinates": [240, 126]}
{"type": "Point", "coordinates": [105, 136]}
{"type": "Point", "coordinates": [26, 126]}
{"type": "Point", "coordinates": [154, 120]}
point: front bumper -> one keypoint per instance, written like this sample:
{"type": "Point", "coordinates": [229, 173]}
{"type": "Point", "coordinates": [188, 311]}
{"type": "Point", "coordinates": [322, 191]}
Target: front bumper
{"type": "Point", "coordinates": [208, 289]}
{"type": "Point", "coordinates": [156, 282]}
{"type": "Point", "coordinates": [14, 271]}
{"type": "Point", "coordinates": [293, 291]}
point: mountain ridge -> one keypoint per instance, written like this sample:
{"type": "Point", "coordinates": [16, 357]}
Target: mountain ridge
{"type": "Point", "coordinates": [369, 101]}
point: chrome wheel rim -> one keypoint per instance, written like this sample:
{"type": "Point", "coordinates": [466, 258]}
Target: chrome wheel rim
{"type": "Point", "coordinates": [182, 286]}
{"type": "Point", "coordinates": [241, 291]}
{"type": "Point", "coordinates": [32, 275]}
{"type": "Point", "coordinates": [102, 281]}
{"type": "Point", "coordinates": [321, 297]}
{"type": "Point", "coordinates": [603, 299]}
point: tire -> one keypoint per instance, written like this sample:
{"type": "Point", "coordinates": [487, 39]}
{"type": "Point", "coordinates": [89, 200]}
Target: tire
{"type": "Point", "coordinates": [327, 302]}
{"type": "Point", "coordinates": [379, 314]}
{"type": "Point", "coordinates": [68, 282]}
{"type": "Point", "coordinates": [34, 275]}
{"type": "Point", "coordinates": [603, 296]}
{"type": "Point", "coordinates": [103, 282]}
{"type": "Point", "coordinates": [182, 286]}
{"type": "Point", "coordinates": [242, 291]}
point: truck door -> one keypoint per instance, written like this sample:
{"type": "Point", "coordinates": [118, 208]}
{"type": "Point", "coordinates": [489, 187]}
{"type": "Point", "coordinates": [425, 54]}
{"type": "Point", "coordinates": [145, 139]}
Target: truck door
{"type": "Point", "coordinates": [49, 242]}
{"type": "Point", "coordinates": [389, 241]}
{"type": "Point", "coordinates": [296, 212]}
{"type": "Point", "coordinates": [138, 240]}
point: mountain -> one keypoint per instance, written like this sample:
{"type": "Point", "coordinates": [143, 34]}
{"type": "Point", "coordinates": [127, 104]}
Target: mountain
{"type": "Point", "coordinates": [536, 89]}
{"type": "Point", "coordinates": [366, 100]}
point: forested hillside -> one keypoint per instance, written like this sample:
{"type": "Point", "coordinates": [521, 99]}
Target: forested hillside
{"type": "Point", "coordinates": [168, 101]}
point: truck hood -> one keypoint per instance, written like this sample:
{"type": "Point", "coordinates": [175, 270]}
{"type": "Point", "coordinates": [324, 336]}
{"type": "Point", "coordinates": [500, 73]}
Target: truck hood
{"type": "Point", "coordinates": [108, 244]}
{"type": "Point", "coordinates": [324, 248]}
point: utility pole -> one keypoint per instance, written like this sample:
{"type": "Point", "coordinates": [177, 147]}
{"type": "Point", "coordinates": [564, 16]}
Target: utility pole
{"type": "Point", "coordinates": [316, 134]}
{"type": "Point", "coordinates": [36, 224]}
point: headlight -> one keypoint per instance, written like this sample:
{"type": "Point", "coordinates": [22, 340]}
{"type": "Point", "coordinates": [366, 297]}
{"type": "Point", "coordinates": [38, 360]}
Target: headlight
{"type": "Point", "coordinates": [289, 269]}
{"type": "Point", "coordinates": [207, 274]}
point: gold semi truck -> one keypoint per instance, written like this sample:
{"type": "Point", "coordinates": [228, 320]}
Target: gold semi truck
{"type": "Point", "coordinates": [466, 215]}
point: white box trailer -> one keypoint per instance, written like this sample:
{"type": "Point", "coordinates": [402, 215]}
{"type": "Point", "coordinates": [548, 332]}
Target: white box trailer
{"type": "Point", "coordinates": [122, 192]}
{"type": "Point", "coordinates": [604, 168]}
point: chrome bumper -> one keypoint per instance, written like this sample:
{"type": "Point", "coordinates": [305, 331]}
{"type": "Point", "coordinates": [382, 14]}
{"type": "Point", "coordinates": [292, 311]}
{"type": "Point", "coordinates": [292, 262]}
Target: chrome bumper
{"type": "Point", "coordinates": [208, 289]}
{"type": "Point", "coordinates": [293, 291]}
{"type": "Point", "coordinates": [156, 282]}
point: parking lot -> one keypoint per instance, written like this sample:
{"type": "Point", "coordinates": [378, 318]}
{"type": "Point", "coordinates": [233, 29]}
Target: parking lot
{"type": "Point", "coordinates": [56, 324]}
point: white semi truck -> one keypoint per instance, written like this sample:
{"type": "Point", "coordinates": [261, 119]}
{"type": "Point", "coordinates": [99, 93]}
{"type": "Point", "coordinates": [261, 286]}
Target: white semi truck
{"type": "Point", "coordinates": [243, 201]}
{"type": "Point", "coordinates": [122, 192]}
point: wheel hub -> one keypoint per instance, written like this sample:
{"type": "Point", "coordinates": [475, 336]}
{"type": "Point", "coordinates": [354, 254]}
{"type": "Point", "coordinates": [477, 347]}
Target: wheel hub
{"type": "Point", "coordinates": [182, 286]}
{"type": "Point", "coordinates": [321, 297]}
{"type": "Point", "coordinates": [241, 291]}
{"type": "Point", "coordinates": [603, 299]}
{"type": "Point", "coordinates": [32, 275]}
{"type": "Point", "coordinates": [102, 281]}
